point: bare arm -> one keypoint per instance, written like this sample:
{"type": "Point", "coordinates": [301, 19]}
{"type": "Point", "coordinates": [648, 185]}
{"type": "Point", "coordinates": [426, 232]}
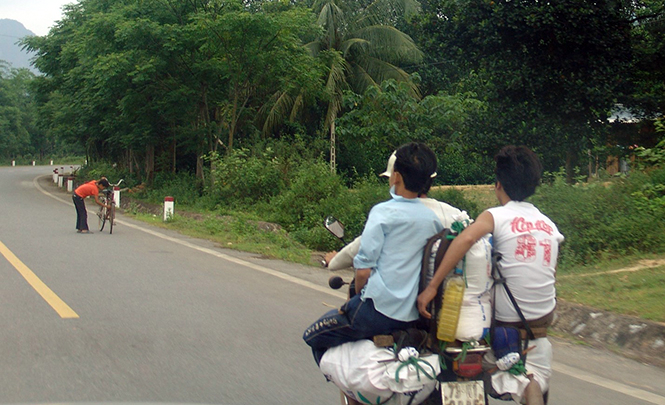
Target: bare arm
{"type": "Point", "coordinates": [100, 203]}
{"type": "Point", "coordinates": [456, 251]}
{"type": "Point", "coordinates": [362, 275]}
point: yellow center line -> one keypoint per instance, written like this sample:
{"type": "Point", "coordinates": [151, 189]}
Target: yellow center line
{"type": "Point", "coordinates": [42, 289]}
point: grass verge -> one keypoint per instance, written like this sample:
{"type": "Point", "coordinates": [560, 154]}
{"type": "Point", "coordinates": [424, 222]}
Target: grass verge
{"type": "Point", "coordinates": [638, 292]}
{"type": "Point", "coordinates": [236, 233]}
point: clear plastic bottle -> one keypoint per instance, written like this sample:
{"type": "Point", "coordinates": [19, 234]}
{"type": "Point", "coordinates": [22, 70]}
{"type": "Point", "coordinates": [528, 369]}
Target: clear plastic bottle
{"type": "Point", "coordinates": [453, 296]}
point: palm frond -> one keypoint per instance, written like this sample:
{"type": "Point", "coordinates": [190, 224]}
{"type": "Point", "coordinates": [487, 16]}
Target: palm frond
{"type": "Point", "coordinates": [298, 105]}
{"type": "Point", "coordinates": [335, 84]}
{"type": "Point", "coordinates": [331, 19]}
{"type": "Point", "coordinates": [390, 44]}
{"type": "Point", "coordinates": [385, 12]}
{"type": "Point", "coordinates": [275, 111]}
{"type": "Point", "coordinates": [361, 79]}
{"type": "Point", "coordinates": [379, 70]}
{"type": "Point", "coordinates": [336, 80]}
{"type": "Point", "coordinates": [358, 43]}
{"type": "Point", "coordinates": [313, 47]}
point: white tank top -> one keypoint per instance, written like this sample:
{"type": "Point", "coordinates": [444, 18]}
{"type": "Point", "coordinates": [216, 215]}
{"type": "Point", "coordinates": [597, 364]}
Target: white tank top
{"type": "Point", "coordinates": [528, 242]}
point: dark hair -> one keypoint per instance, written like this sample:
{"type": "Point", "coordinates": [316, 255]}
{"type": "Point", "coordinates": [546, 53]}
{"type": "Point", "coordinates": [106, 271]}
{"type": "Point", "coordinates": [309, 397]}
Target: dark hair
{"type": "Point", "coordinates": [416, 163]}
{"type": "Point", "coordinates": [519, 170]}
{"type": "Point", "coordinates": [103, 182]}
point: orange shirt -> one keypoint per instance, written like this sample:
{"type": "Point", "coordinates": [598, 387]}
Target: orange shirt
{"type": "Point", "coordinates": [87, 189]}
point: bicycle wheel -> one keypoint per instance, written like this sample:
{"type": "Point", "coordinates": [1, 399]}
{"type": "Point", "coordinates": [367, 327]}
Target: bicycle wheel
{"type": "Point", "coordinates": [102, 214]}
{"type": "Point", "coordinates": [111, 217]}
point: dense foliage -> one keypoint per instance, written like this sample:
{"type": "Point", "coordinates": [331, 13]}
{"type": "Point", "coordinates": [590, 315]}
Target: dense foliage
{"type": "Point", "coordinates": [246, 105]}
{"type": "Point", "coordinates": [20, 138]}
{"type": "Point", "coordinates": [156, 89]}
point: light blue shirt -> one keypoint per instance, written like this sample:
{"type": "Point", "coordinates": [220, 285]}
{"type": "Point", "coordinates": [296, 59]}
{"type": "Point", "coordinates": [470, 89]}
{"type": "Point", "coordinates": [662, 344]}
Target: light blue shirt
{"type": "Point", "coordinates": [392, 246]}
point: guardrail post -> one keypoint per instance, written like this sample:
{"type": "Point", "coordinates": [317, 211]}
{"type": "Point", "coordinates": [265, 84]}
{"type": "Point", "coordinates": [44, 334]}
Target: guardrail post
{"type": "Point", "coordinates": [168, 208]}
{"type": "Point", "coordinates": [55, 175]}
{"type": "Point", "coordinates": [60, 179]}
{"type": "Point", "coordinates": [116, 196]}
{"type": "Point", "coordinates": [13, 163]}
{"type": "Point", "coordinates": [70, 184]}
{"type": "Point", "coordinates": [51, 163]}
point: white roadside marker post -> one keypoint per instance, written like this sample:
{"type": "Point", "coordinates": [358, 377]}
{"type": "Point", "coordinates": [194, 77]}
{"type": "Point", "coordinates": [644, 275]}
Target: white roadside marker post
{"type": "Point", "coordinates": [168, 208]}
{"type": "Point", "coordinates": [116, 196]}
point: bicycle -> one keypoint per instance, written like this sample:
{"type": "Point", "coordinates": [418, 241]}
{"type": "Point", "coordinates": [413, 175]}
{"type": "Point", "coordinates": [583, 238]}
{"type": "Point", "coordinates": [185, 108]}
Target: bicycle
{"type": "Point", "coordinates": [107, 214]}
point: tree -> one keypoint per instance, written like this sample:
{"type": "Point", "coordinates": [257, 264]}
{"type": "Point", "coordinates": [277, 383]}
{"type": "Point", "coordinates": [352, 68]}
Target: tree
{"type": "Point", "coordinates": [550, 70]}
{"type": "Point", "coordinates": [384, 118]}
{"type": "Point", "coordinates": [19, 134]}
{"type": "Point", "coordinates": [166, 77]}
{"type": "Point", "coordinates": [646, 94]}
{"type": "Point", "coordinates": [361, 48]}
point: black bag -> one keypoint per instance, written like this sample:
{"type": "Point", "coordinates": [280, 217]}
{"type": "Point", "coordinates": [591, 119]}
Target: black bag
{"type": "Point", "coordinates": [435, 249]}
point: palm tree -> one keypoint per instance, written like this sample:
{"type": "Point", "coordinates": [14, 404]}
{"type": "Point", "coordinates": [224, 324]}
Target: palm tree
{"type": "Point", "coordinates": [360, 47]}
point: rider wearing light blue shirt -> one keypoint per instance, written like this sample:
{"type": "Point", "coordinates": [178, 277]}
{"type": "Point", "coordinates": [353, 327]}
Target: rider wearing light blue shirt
{"type": "Point", "coordinates": [392, 247]}
{"type": "Point", "coordinates": [388, 262]}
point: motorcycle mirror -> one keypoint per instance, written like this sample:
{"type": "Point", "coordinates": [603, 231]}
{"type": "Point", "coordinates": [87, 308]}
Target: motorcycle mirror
{"type": "Point", "coordinates": [336, 282]}
{"type": "Point", "coordinates": [335, 227]}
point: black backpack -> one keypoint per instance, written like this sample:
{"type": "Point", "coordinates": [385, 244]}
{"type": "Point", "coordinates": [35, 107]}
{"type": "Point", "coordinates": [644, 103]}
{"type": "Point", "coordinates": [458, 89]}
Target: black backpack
{"type": "Point", "coordinates": [433, 253]}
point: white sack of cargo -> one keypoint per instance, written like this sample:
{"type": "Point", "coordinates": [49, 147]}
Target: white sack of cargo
{"type": "Point", "coordinates": [371, 374]}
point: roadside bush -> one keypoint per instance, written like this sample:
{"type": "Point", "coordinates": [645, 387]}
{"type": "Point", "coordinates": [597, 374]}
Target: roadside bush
{"type": "Point", "coordinates": [244, 179]}
{"type": "Point", "coordinates": [608, 218]}
{"type": "Point", "coordinates": [313, 193]}
{"type": "Point", "coordinates": [181, 186]}
{"type": "Point", "coordinates": [306, 200]}
{"type": "Point", "coordinates": [98, 170]}
{"type": "Point", "coordinates": [456, 198]}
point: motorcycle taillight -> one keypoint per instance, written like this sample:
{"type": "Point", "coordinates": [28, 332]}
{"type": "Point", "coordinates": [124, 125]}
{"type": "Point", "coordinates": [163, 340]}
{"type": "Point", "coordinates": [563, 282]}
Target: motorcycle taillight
{"type": "Point", "coordinates": [471, 366]}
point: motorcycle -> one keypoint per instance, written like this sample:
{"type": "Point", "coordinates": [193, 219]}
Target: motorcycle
{"type": "Point", "coordinates": [462, 379]}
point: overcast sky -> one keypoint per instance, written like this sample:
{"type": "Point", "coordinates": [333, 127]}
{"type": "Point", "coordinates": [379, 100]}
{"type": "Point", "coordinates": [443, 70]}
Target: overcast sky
{"type": "Point", "coordinates": [36, 15]}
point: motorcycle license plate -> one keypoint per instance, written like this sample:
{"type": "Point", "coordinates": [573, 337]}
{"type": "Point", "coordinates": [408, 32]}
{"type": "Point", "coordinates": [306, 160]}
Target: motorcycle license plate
{"type": "Point", "coordinates": [463, 393]}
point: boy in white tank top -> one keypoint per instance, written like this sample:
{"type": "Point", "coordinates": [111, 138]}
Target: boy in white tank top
{"type": "Point", "coordinates": [529, 244]}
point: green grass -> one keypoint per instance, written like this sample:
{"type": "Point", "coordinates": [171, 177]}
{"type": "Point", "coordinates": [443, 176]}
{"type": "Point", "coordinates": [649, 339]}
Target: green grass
{"type": "Point", "coordinates": [235, 233]}
{"type": "Point", "coordinates": [639, 293]}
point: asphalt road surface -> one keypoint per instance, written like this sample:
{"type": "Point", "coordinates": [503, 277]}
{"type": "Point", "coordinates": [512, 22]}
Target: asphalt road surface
{"type": "Point", "coordinates": [148, 315]}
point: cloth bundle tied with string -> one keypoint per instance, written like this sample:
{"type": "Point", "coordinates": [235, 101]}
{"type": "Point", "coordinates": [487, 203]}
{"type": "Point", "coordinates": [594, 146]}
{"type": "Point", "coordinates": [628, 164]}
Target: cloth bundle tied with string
{"type": "Point", "coordinates": [378, 375]}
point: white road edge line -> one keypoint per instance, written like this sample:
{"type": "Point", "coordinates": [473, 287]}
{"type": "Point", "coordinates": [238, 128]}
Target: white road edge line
{"type": "Point", "coordinates": [609, 384]}
{"type": "Point", "coordinates": [215, 253]}
{"type": "Point", "coordinates": [580, 375]}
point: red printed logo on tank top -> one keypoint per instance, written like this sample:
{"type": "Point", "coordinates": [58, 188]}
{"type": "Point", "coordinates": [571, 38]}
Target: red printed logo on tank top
{"type": "Point", "coordinates": [521, 225]}
{"type": "Point", "coordinates": [527, 244]}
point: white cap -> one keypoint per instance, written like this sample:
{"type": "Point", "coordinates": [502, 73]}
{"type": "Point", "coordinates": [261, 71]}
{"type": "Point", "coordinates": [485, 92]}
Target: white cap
{"type": "Point", "coordinates": [391, 165]}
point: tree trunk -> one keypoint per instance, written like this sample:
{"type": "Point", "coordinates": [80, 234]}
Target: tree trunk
{"type": "Point", "coordinates": [571, 161]}
{"type": "Point", "coordinates": [174, 148]}
{"type": "Point", "coordinates": [128, 160]}
{"type": "Point", "coordinates": [333, 149]}
{"type": "Point", "coordinates": [232, 126]}
{"type": "Point", "coordinates": [150, 163]}
{"type": "Point", "coordinates": [199, 168]}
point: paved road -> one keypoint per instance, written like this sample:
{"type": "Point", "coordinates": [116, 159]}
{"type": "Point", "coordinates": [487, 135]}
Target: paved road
{"type": "Point", "coordinates": [147, 315]}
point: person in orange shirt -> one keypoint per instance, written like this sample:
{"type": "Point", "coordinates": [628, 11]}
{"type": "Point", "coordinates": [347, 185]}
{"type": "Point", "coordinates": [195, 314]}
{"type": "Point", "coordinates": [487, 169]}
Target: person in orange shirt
{"type": "Point", "coordinates": [91, 188]}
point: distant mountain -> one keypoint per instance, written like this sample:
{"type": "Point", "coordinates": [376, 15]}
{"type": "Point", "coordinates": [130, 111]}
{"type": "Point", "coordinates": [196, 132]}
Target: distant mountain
{"type": "Point", "coordinates": [10, 32]}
